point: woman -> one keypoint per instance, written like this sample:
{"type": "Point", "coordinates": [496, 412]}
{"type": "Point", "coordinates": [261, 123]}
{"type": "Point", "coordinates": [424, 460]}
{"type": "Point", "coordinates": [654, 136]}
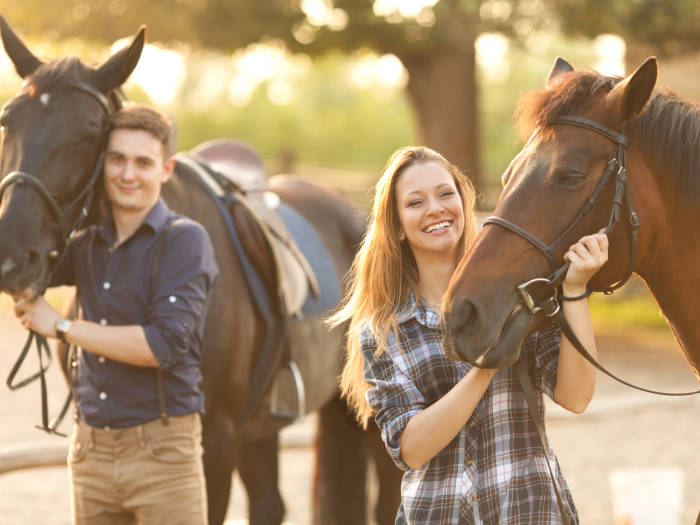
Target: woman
{"type": "Point", "coordinates": [462, 434]}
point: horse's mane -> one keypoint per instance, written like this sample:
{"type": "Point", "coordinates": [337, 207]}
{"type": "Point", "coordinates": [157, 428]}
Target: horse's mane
{"type": "Point", "coordinates": [669, 127]}
{"type": "Point", "coordinates": [57, 75]}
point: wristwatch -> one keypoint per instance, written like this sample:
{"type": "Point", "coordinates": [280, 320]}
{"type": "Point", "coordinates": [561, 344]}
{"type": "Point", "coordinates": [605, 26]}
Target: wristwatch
{"type": "Point", "coordinates": [62, 326]}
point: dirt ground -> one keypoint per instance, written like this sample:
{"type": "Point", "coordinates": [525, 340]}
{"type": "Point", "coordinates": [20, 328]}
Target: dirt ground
{"type": "Point", "coordinates": [622, 429]}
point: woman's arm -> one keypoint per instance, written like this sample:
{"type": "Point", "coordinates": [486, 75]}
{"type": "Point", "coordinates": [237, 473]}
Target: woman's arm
{"type": "Point", "coordinates": [576, 376]}
{"type": "Point", "coordinates": [429, 431]}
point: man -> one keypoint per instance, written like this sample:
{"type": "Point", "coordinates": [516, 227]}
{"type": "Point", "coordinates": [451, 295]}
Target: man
{"type": "Point", "coordinates": [132, 459]}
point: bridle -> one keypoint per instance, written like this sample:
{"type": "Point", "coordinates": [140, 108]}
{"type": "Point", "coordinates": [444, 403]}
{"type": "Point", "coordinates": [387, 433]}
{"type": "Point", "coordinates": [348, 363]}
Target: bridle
{"type": "Point", "coordinates": [616, 170]}
{"type": "Point", "coordinates": [83, 200]}
{"type": "Point", "coordinates": [63, 234]}
{"type": "Point", "coordinates": [542, 294]}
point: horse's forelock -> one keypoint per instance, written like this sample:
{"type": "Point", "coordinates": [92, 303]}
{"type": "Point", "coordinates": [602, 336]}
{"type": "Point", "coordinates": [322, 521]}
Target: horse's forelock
{"type": "Point", "coordinates": [56, 75]}
{"type": "Point", "coordinates": [570, 93]}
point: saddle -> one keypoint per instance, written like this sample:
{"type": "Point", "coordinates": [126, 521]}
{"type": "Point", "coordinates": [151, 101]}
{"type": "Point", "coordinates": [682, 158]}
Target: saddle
{"type": "Point", "coordinates": [243, 168]}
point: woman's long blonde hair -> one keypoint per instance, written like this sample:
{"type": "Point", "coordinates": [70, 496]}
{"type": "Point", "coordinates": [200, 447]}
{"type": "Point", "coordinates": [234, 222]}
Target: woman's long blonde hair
{"type": "Point", "coordinates": [384, 273]}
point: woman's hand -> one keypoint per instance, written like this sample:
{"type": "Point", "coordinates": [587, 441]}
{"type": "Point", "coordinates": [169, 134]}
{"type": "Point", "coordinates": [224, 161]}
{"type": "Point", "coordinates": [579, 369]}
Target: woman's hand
{"type": "Point", "coordinates": [587, 256]}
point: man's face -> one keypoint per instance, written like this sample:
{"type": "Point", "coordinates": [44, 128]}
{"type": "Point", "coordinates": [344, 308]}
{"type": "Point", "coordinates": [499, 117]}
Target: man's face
{"type": "Point", "coordinates": [135, 169]}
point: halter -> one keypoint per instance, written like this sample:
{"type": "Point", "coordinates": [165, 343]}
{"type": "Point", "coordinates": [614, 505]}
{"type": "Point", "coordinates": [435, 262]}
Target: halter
{"type": "Point", "coordinates": [63, 235]}
{"type": "Point", "coordinates": [83, 199]}
{"type": "Point", "coordinates": [541, 294]}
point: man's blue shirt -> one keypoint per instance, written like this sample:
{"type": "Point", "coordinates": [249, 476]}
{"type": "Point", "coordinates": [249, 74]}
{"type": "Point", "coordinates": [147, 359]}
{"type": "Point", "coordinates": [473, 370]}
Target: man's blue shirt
{"type": "Point", "coordinates": [115, 288]}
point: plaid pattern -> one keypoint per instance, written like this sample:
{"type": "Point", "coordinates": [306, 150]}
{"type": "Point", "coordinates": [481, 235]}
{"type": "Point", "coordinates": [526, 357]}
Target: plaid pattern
{"type": "Point", "coordinates": [493, 471]}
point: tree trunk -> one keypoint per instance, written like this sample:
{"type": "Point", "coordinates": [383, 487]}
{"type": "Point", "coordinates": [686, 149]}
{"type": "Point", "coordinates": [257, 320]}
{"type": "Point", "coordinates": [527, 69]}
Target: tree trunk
{"type": "Point", "coordinates": [442, 88]}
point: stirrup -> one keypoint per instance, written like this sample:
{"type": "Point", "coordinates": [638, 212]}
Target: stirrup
{"type": "Point", "coordinates": [288, 394]}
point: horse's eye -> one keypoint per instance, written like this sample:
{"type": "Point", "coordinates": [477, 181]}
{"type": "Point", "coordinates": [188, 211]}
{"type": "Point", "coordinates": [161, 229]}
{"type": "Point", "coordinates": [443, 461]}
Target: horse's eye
{"type": "Point", "coordinates": [568, 178]}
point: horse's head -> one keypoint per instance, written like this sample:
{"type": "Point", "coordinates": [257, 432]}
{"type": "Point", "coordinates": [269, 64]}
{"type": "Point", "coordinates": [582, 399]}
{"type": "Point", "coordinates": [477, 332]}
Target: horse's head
{"type": "Point", "coordinates": [53, 133]}
{"type": "Point", "coordinates": [546, 187]}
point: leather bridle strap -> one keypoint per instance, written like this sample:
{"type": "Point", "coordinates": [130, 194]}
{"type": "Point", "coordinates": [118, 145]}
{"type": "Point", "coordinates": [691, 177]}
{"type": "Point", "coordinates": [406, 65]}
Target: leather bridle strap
{"type": "Point", "coordinates": [549, 304]}
{"type": "Point", "coordinates": [84, 199]}
{"type": "Point", "coordinates": [559, 319]}
{"type": "Point", "coordinates": [85, 196]}
{"type": "Point", "coordinates": [520, 369]}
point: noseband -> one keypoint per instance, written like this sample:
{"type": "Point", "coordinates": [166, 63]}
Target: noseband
{"type": "Point", "coordinates": [83, 199]}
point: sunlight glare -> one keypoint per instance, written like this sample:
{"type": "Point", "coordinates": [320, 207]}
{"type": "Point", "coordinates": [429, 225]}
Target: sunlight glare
{"type": "Point", "coordinates": [160, 72]}
{"type": "Point", "coordinates": [370, 70]}
{"type": "Point", "coordinates": [491, 56]}
{"type": "Point", "coordinates": [390, 71]}
{"type": "Point", "coordinates": [322, 13]}
{"type": "Point", "coordinates": [267, 62]}
{"type": "Point", "coordinates": [404, 8]}
{"type": "Point", "coordinates": [610, 50]}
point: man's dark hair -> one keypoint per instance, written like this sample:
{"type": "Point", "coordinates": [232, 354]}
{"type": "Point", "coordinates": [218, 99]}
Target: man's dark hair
{"type": "Point", "coordinates": [146, 119]}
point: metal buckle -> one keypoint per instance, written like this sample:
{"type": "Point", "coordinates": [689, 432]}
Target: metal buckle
{"type": "Point", "coordinates": [550, 306]}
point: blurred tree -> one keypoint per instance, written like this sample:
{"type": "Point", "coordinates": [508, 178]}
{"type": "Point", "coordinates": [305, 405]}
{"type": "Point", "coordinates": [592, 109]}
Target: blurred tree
{"type": "Point", "coordinates": [669, 26]}
{"type": "Point", "coordinates": [433, 39]}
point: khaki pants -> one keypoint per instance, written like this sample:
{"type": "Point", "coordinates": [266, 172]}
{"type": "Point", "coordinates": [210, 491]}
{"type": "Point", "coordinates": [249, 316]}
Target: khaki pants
{"type": "Point", "coordinates": [148, 474]}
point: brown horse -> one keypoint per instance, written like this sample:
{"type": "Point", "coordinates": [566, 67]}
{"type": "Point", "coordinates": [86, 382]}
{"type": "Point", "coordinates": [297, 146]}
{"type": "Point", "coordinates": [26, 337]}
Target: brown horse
{"type": "Point", "coordinates": [53, 131]}
{"type": "Point", "coordinates": [573, 125]}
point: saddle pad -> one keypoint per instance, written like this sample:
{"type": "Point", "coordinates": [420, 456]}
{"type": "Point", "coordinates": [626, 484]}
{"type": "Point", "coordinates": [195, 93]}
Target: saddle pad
{"type": "Point", "coordinates": [318, 257]}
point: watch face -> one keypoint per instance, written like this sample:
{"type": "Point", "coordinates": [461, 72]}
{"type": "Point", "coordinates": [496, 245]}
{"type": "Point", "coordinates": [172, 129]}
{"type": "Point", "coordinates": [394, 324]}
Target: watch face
{"type": "Point", "coordinates": [63, 325]}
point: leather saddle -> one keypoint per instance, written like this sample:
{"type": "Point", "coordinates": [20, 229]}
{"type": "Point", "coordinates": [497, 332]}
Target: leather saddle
{"type": "Point", "coordinates": [244, 169]}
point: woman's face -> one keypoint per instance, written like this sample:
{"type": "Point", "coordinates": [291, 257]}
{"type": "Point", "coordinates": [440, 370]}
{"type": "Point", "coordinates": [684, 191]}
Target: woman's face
{"type": "Point", "coordinates": [430, 209]}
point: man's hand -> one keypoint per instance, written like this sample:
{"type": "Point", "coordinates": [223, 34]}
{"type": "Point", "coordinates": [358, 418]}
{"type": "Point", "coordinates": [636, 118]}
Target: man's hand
{"type": "Point", "coordinates": [37, 315]}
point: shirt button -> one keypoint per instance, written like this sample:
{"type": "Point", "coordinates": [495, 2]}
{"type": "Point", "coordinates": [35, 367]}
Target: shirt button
{"type": "Point", "coordinates": [103, 396]}
{"type": "Point", "coordinates": [106, 285]}
{"type": "Point", "coordinates": [472, 424]}
{"type": "Point", "coordinates": [172, 299]}
{"type": "Point", "coordinates": [101, 359]}
{"type": "Point", "coordinates": [103, 321]}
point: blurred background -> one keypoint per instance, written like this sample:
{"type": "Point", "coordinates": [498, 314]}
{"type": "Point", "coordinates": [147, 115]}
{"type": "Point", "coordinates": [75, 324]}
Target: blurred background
{"type": "Point", "coordinates": [328, 89]}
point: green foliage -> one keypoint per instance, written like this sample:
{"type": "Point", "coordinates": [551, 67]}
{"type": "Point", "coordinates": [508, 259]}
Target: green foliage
{"type": "Point", "coordinates": [329, 121]}
{"type": "Point", "coordinates": [637, 311]}
{"type": "Point", "coordinates": [527, 68]}
{"type": "Point", "coordinates": [670, 25]}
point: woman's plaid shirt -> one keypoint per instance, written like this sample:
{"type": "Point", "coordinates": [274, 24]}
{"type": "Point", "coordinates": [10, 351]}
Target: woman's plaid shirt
{"type": "Point", "coordinates": [493, 471]}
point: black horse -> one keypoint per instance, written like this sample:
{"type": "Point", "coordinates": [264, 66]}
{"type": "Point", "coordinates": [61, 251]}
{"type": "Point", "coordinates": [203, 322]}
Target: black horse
{"type": "Point", "coordinates": [53, 132]}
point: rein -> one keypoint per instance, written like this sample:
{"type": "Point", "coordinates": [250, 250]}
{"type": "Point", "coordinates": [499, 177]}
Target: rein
{"type": "Point", "coordinates": [63, 235]}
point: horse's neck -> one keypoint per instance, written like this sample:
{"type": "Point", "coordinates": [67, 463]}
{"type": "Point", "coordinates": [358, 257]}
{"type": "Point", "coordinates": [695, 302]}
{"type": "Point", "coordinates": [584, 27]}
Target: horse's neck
{"type": "Point", "coordinates": [675, 286]}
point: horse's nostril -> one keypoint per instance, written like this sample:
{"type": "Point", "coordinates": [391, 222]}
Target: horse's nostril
{"type": "Point", "coordinates": [464, 317]}
{"type": "Point", "coordinates": [33, 258]}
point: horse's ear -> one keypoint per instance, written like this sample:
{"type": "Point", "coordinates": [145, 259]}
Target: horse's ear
{"type": "Point", "coordinates": [560, 66]}
{"type": "Point", "coordinates": [114, 72]}
{"type": "Point", "coordinates": [23, 59]}
{"type": "Point", "coordinates": [630, 96]}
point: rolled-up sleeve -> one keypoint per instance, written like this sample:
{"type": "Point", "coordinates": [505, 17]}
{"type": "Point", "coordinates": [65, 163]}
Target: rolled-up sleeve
{"type": "Point", "coordinates": [177, 304]}
{"type": "Point", "coordinates": [543, 348]}
{"type": "Point", "coordinates": [393, 396]}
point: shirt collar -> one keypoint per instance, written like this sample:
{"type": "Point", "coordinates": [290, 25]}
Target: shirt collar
{"type": "Point", "coordinates": [155, 220]}
{"type": "Point", "coordinates": [422, 313]}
